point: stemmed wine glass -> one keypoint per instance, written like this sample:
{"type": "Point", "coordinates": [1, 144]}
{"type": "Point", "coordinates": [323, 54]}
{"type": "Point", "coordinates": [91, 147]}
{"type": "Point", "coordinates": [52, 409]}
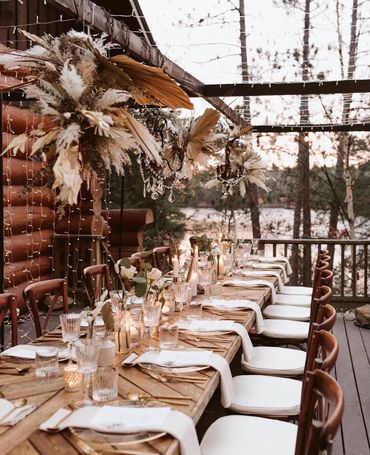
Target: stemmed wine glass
{"type": "Point", "coordinates": [181, 294]}
{"type": "Point", "coordinates": [87, 353]}
{"type": "Point", "coordinates": [205, 279]}
{"type": "Point", "coordinates": [70, 324]}
{"type": "Point", "coordinates": [151, 316]}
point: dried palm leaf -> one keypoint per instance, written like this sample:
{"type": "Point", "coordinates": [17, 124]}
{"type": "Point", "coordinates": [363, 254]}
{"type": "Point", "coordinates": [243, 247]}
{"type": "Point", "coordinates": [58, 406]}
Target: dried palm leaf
{"type": "Point", "coordinates": [154, 84]}
{"type": "Point", "coordinates": [200, 133]}
{"type": "Point", "coordinates": [45, 139]}
{"type": "Point", "coordinates": [141, 134]}
{"type": "Point", "coordinates": [18, 143]}
{"type": "Point", "coordinates": [35, 38]}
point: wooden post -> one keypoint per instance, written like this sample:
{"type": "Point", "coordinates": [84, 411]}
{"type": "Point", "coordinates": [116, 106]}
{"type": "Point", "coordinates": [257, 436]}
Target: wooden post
{"type": "Point", "coordinates": [1, 218]}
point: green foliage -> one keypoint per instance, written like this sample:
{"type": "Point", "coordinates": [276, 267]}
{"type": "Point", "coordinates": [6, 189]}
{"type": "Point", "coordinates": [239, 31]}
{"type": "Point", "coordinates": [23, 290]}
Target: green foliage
{"type": "Point", "coordinates": [203, 243]}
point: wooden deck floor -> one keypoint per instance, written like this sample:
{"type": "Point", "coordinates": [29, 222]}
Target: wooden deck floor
{"type": "Point", "coordinates": [353, 374]}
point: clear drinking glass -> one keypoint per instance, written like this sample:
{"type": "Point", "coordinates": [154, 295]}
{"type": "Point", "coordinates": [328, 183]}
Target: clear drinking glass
{"type": "Point", "coordinates": [168, 336]}
{"type": "Point", "coordinates": [205, 279]}
{"type": "Point", "coordinates": [151, 316]}
{"type": "Point", "coordinates": [46, 362]}
{"type": "Point", "coordinates": [181, 295]}
{"type": "Point", "coordinates": [99, 328]}
{"type": "Point", "coordinates": [87, 353]}
{"type": "Point", "coordinates": [70, 324]}
{"type": "Point", "coordinates": [228, 263]}
{"type": "Point", "coordinates": [195, 310]}
{"type": "Point", "coordinates": [135, 325]}
{"type": "Point", "coordinates": [105, 384]}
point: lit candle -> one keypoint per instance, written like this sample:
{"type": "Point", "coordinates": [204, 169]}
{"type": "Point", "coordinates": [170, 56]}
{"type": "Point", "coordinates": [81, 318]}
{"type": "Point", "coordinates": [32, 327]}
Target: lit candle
{"type": "Point", "coordinates": [72, 378]}
{"type": "Point", "coordinates": [175, 267]}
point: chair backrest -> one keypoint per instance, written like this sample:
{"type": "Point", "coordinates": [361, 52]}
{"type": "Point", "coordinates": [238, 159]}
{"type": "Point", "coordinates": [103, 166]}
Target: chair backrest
{"type": "Point", "coordinates": [322, 352]}
{"type": "Point", "coordinates": [35, 293]}
{"type": "Point", "coordinates": [163, 258]}
{"type": "Point", "coordinates": [145, 256]}
{"type": "Point", "coordinates": [8, 306]}
{"type": "Point", "coordinates": [97, 277]}
{"type": "Point", "coordinates": [321, 414]}
{"type": "Point", "coordinates": [136, 262]}
{"type": "Point", "coordinates": [322, 297]}
{"type": "Point", "coordinates": [326, 317]}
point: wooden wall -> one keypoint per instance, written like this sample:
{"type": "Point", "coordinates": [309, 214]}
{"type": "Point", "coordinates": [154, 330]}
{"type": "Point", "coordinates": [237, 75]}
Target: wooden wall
{"type": "Point", "coordinates": [29, 217]}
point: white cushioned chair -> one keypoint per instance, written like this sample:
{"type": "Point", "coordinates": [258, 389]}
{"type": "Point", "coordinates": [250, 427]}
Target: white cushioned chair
{"type": "Point", "coordinates": [297, 313]}
{"type": "Point", "coordinates": [276, 361]}
{"type": "Point", "coordinates": [247, 435]}
{"type": "Point", "coordinates": [274, 396]}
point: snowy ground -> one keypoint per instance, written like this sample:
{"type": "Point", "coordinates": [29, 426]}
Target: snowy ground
{"type": "Point", "coordinates": [278, 223]}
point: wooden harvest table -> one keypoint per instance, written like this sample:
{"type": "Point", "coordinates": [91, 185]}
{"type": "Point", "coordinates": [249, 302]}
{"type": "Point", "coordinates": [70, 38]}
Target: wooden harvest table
{"type": "Point", "coordinates": [49, 395]}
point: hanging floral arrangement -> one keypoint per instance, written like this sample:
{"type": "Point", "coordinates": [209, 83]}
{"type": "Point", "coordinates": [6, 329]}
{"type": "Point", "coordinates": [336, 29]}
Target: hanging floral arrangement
{"type": "Point", "coordinates": [188, 146]}
{"type": "Point", "coordinates": [239, 165]}
{"type": "Point", "coordinates": [87, 95]}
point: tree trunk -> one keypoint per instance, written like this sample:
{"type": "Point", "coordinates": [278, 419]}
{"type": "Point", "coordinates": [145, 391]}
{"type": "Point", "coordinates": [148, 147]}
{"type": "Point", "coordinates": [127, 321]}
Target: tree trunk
{"type": "Point", "coordinates": [342, 171]}
{"type": "Point", "coordinates": [253, 198]}
{"type": "Point", "coordinates": [302, 202]}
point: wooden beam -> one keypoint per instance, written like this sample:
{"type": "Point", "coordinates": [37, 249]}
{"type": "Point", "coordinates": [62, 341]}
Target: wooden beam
{"type": "Point", "coordinates": [290, 88]}
{"type": "Point", "coordinates": [99, 19]}
{"type": "Point", "coordinates": [311, 128]}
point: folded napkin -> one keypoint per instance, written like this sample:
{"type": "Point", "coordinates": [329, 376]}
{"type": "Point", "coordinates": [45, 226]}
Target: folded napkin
{"type": "Point", "coordinates": [28, 351]}
{"type": "Point", "coordinates": [123, 419]}
{"type": "Point", "coordinates": [271, 265]}
{"type": "Point", "coordinates": [252, 284]}
{"type": "Point", "coordinates": [262, 273]}
{"type": "Point", "coordinates": [220, 326]}
{"type": "Point", "coordinates": [10, 415]}
{"type": "Point", "coordinates": [195, 357]}
{"type": "Point", "coordinates": [223, 304]}
{"type": "Point", "coordinates": [277, 259]}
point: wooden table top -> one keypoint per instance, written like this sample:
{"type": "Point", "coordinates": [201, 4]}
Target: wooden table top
{"type": "Point", "coordinates": [49, 395]}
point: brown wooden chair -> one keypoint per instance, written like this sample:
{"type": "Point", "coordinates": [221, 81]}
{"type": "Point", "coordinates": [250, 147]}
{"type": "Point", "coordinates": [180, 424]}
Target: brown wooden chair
{"type": "Point", "coordinates": [136, 262]}
{"type": "Point", "coordinates": [321, 414]}
{"type": "Point", "coordinates": [145, 256]}
{"type": "Point", "coordinates": [97, 278]}
{"type": "Point", "coordinates": [163, 258]}
{"type": "Point", "coordinates": [35, 294]}
{"type": "Point", "coordinates": [279, 397]}
{"type": "Point", "coordinates": [8, 307]}
{"type": "Point", "coordinates": [319, 420]}
{"type": "Point", "coordinates": [322, 352]}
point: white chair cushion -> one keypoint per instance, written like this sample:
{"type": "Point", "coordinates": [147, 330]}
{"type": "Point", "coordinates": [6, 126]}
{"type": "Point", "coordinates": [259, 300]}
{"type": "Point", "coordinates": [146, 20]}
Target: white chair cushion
{"type": "Point", "coordinates": [297, 290]}
{"type": "Point", "coordinates": [294, 300]}
{"type": "Point", "coordinates": [246, 435]}
{"type": "Point", "coordinates": [293, 313]}
{"type": "Point", "coordinates": [275, 361]}
{"type": "Point", "coordinates": [266, 395]}
{"type": "Point", "coordinates": [279, 328]}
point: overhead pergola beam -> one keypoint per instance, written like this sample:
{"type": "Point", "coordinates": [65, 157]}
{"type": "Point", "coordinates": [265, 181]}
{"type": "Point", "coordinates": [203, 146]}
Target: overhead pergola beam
{"type": "Point", "coordinates": [96, 17]}
{"type": "Point", "coordinates": [311, 128]}
{"type": "Point", "coordinates": [290, 88]}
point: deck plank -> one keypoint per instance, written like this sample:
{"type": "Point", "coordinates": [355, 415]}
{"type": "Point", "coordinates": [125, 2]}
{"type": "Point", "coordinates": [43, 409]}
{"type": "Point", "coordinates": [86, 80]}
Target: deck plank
{"type": "Point", "coordinates": [361, 369]}
{"type": "Point", "coordinates": [354, 430]}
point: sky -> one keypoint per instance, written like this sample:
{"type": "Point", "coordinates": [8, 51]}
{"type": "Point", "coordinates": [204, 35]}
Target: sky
{"type": "Point", "coordinates": [202, 36]}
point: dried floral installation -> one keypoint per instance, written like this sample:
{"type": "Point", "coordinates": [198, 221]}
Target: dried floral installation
{"type": "Point", "coordinates": [239, 165]}
{"type": "Point", "coordinates": [86, 94]}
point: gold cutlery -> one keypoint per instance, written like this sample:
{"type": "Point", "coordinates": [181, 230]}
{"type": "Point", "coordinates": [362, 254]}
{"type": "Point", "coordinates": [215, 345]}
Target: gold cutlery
{"type": "Point", "coordinates": [16, 404]}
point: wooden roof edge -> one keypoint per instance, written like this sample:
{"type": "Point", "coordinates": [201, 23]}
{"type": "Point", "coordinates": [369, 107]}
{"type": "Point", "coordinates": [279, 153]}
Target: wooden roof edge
{"type": "Point", "coordinates": [136, 47]}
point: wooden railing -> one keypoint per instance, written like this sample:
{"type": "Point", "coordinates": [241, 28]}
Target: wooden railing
{"type": "Point", "coordinates": [350, 265]}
